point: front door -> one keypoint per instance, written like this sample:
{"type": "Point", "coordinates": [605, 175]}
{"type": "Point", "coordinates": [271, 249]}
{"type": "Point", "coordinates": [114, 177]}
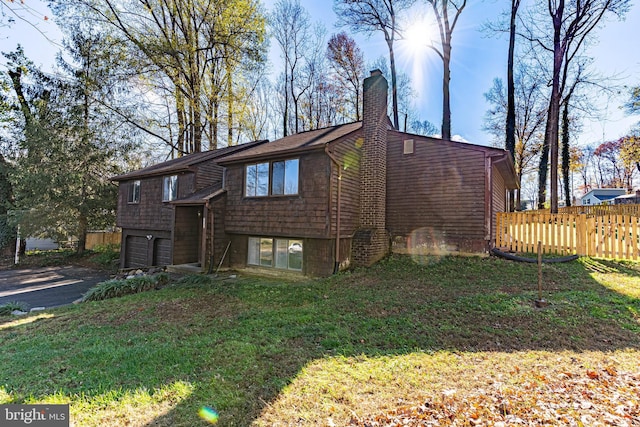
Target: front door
{"type": "Point", "coordinates": [187, 235]}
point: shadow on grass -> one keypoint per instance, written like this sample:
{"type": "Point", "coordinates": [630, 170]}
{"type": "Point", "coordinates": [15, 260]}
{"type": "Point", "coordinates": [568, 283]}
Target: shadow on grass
{"type": "Point", "coordinates": [238, 343]}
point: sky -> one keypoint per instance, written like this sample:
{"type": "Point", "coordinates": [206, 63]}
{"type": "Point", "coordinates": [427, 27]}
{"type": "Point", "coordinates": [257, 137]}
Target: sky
{"type": "Point", "coordinates": [476, 60]}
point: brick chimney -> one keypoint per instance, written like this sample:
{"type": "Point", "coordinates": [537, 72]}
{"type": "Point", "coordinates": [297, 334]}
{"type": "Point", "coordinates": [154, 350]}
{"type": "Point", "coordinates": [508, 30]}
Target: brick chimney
{"type": "Point", "coordinates": [371, 240]}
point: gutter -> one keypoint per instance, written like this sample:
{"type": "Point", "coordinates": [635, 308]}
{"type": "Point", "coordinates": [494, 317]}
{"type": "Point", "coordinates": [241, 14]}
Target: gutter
{"type": "Point", "coordinates": [335, 161]}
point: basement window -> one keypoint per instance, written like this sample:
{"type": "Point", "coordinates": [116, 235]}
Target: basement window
{"type": "Point", "coordinates": [408, 146]}
{"type": "Point", "coordinates": [284, 254]}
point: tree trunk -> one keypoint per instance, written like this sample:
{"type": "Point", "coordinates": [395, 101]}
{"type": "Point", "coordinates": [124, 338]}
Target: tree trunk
{"type": "Point", "coordinates": [82, 233]}
{"type": "Point", "coordinates": [446, 103]}
{"type": "Point", "coordinates": [565, 153]}
{"type": "Point", "coordinates": [394, 84]}
{"type": "Point", "coordinates": [510, 140]}
{"type": "Point", "coordinates": [181, 122]}
{"type": "Point", "coordinates": [553, 116]}
{"type": "Point", "coordinates": [285, 114]}
{"type": "Point", "coordinates": [229, 105]}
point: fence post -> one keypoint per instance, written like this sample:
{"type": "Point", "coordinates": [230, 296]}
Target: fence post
{"type": "Point", "coordinates": [581, 234]}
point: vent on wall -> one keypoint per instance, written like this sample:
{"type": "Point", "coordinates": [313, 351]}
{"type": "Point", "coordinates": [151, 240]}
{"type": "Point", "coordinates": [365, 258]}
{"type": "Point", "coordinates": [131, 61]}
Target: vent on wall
{"type": "Point", "coordinates": [408, 146]}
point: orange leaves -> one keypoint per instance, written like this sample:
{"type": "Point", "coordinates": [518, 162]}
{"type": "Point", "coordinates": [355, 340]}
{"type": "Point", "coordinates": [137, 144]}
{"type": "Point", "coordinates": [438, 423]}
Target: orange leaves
{"type": "Point", "coordinates": [593, 375]}
{"type": "Point", "coordinates": [598, 396]}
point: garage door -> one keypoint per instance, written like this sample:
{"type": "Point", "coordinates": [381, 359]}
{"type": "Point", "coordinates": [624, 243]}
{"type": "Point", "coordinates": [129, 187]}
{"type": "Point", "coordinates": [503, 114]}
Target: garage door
{"type": "Point", "coordinates": [162, 252]}
{"type": "Point", "coordinates": [135, 252]}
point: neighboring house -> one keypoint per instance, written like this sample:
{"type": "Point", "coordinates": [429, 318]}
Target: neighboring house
{"type": "Point", "coordinates": [321, 200]}
{"type": "Point", "coordinates": [601, 196]}
{"type": "Point", "coordinates": [160, 209]}
{"type": "Point", "coordinates": [628, 199]}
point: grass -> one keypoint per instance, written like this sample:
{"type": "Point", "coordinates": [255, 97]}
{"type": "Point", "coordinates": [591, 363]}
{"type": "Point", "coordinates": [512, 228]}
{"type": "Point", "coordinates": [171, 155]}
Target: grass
{"type": "Point", "coordinates": [434, 333]}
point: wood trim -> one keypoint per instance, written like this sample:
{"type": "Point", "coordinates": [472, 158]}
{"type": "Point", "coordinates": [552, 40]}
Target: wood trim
{"type": "Point", "coordinates": [488, 202]}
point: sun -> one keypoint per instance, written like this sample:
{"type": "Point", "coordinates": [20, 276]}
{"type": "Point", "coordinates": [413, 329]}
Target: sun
{"type": "Point", "coordinates": [418, 36]}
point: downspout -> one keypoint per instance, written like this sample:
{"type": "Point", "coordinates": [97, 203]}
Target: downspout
{"type": "Point", "coordinates": [336, 267]}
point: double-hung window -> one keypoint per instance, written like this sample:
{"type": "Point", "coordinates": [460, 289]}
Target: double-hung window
{"type": "Point", "coordinates": [278, 178]}
{"type": "Point", "coordinates": [169, 188]}
{"type": "Point", "coordinates": [134, 192]}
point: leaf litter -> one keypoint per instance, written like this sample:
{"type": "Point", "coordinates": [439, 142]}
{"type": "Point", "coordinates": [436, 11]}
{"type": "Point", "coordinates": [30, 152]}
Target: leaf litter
{"type": "Point", "coordinates": [583, 397]}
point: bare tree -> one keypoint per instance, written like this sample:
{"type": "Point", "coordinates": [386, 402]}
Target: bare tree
{"type": "Point", "coordinates": [291, 27]}
{"type": "Point", "coordinates": [347, 61]}
{"type": "Point", "coordinates": [573, 24]}
{"type": "Point", "coordinates": [447, 13]}
{"type": "Point", "coordinates": [369, 16]}
{"type": "Point", "coordinates": [530, 112]}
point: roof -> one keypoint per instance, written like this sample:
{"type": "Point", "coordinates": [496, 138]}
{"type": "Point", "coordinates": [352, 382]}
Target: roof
{"type": "Point", "coordinates": [299, 142]}
{"type": "Point", "coordinates": [629, 196]}
{"type": "Point", "coordinates": [605, 193]}
{"type": "Point", "coordinates": [200, 197]}
{"type": "Point", "coordinates": [184, 163]}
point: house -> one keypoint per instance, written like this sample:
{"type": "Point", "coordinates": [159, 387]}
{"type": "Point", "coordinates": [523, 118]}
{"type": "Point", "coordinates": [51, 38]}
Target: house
{"type": "Point", "coordinates": [160, 209]}
{"type": "Point", "coordinates": [321, 200]}
{"type": "Point", "coordinates": [601, 196]}
{"type": "Point", "coordinates": [628, 199]}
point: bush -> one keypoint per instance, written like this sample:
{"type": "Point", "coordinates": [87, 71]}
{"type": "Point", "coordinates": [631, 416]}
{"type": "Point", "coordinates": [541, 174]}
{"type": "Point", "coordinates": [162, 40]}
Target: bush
{"type": "Point", "coordinates": [117, 288]}
{"type": "Point", "coordinates": [107, 255]}
{"type": "Point", "coordinates": [10, 307]}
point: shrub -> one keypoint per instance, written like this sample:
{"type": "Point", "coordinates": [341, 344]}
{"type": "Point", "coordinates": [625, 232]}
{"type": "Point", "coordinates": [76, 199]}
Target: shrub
{"type": "Point", "coordinates": [10, 307]}
{"type": "Point", "coordinates": [117, 288]}
{"type": "Point", "coordinates": [107, 255]}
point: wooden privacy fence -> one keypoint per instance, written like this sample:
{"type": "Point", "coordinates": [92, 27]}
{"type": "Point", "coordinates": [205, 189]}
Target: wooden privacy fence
{"type": "Point", "coordinates": [102, 238]}
{"type": "Point", "coordinates": [595, 210]}
{"type": "Point", "coordinates": [603, 236]}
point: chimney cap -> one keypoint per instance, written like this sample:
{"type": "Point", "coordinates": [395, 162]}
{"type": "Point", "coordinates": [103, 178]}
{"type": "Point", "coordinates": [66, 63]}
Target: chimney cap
{"type": "Point", "coordinates": [376, 72]}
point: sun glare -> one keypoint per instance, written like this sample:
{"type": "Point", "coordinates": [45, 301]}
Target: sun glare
{"type": "Point", "coordinates": [419, 36]}
{"type": "Point", "coordinates": [415, 49]}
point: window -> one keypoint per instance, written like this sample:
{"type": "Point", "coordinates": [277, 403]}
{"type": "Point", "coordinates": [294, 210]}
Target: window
{"type": "Point", "coordinates": [283, 254]}
{"type": "Point", "coordinates": [134, 192]}
{"type": "Point", "coordinates": [282, 175]}
{"type": "Point", "coordinates": [285, 177]}
{"type": "Point", "coordinates": [169, 188]}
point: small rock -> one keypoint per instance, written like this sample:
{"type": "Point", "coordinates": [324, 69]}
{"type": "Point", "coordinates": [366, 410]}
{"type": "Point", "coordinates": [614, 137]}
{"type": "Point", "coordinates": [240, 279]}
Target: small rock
{"type": "Point", "coordinates": [18, 312]}
{"type": "Point", "coordinates": [233, 276]}
{"type": "Point", "coordinates": [139, 272]}
{"type": "Point", "coordinates": [37, 309]}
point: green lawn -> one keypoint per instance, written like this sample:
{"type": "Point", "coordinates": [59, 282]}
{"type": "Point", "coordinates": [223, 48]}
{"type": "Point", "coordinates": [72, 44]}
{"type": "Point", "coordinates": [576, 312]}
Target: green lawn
{"type": "Point", "coordinates": [455, 339]}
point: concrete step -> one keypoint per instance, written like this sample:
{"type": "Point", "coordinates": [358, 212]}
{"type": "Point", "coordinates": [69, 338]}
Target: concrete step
{"type": "Point", "coordinates": [194, 268]}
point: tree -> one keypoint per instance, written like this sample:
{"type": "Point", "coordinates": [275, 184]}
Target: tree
{"type": "Point", "coordinates": [510, 136]}
{"type": "Point", "coordinates": [290, 25]}
{"type": "Point", "coordinates": [572, 24]}
{"type": "Point", "coordinates": [369, 16]}
{"type": "Point", "coordinates": [347, 61]}
{"type": "Point", "coordinates": [7, 232]}
{"type": "Point", "coordinates": [530, 113]}
{"type": "Point", "coordinates": [442, 10]}
{"type": "Point", "coordinates": [615, 171]}
{"type": "Point", "coordinates": [187, 53]}
{"type": "Point", "coordinates": [69, 146]}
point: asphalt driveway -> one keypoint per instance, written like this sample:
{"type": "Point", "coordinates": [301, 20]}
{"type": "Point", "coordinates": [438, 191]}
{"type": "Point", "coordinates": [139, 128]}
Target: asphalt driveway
{"type": "Point", "coordinates": [47, 286]}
